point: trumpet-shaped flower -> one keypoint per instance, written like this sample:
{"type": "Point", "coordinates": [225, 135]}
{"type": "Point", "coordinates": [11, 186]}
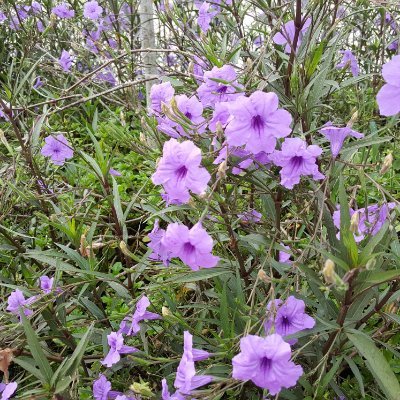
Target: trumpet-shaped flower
{"type": "Point", "coordinates": [220, 85]}
{"type": "Point", "coordinates": [179, 171]}
{"type": "Point", "coordinates": [17, 300]}
{"type": "Point", "coordinates": [161, 93]}
{"type": "Point", "coordinates": [117, 347]}
{"type": "Point", "coordinates": [257, 122]}
{"type": "Point", "coordinates": [349, 60]}
{"type": "Point", "coordinates": [63, 11]}
{"type": "Point", "coordinates": [287, 34]}
{"type": "Point", "coordinates": [297, 159]}
{"type": "Point", "coordinates": [7, 390]}
{"type": "Point", "coordinates": [130, 325]}
{"type": "Point", "coordinates": [266, 362]}
{"type": "Point", "coordinates": [337, 136]}
{"type": "Point", "coordinates": [159, 251]}
{"type": "Point", "coordinates": [290, 317]}
{"type": "Point", "coordinates": [193, 246]}
{"type": "Point", "coordinates": [92, 10]}
{"type": "Point", "coordinates": [388, 97]}
{"type": "Point", "coordinates": [58, 149]}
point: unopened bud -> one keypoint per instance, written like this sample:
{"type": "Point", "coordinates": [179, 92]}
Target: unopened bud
{"type": "Point", "coordinates": [263, 276]}
{"type": "Point", "coordinates": [354, 221]}
{"type": "Point", "coordinates": [142, 137]}
{"type": "Point", "coordinates": [191, 67]}
{"type": "Point", "coordinates": [165, 311]}
{"type": "Point", "coordinates": [387, 163]}
{"type": "Point", "coordinates": [328, 271]}
{"type": "Point", "coordinates": [221, 172]}
{"type": "Point", "coordinates": [371, 264]}
{"type": "Point", "coordinates": [122, 118]}
{"type": "Point", "coordinates": [219, 128]}
{"type": "Point", "coordinates": [353, 119]}
{"type": "Point", "coordinates": [142, 388]}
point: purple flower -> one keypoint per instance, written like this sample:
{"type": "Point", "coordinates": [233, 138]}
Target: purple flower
{"type": "Point", "coordinates": [3, 17]}
{"type": "Point", "coordinates": [198, 68]}
{"type": "Point", "coordinates": [106, 76]}
{"type": "Point", "coordinates": [130, 325]}
{"type": "Point", "coordinates": [38, 83]}
{"type": "Point", "coordinates": [58, 149]}
{"type": "Point", "coordinates": [117, 347]}
{"type": "Point", "coordinates": [36, 7]}
{"type": "Point", "coordinates": [205, 16]}
{"type": "Point", "coordinates": [388, 97]}
{"type": "Point", "coordinates": [186, 379]}
{"type": "Point", "coordinates": [221, 114]}
{"type": "Point", "coordinates": [258, 41]}
{"type": "Point", "coordinates": [370, 219]}
{"type": "Point", "coordinates": [284, 257]}
{"type": "Point", "coordinates": [22, 12]}
{"type": "Point", "coordinates": [16, 300]}
{"type": "Point", "coordinates": [92, 10]}
{"type": "Point", "coordinates": [159, 251]}
{"type": "Point", "coordinates": [65, 61]}
{"type": "Point", "coordinates": [7, 390]}
{"type": "Point", "coordinates": [349, 60]}
{"type": "Point", "coordinates": [161, 93]}
{"type": "Point", "coordinates": [286, 36]}
{"type": "Point", "coordinates": [251, 216]}
{"type": "Point", "coordinates": [297, 159]}
{"type": "Point", "coordinates": [46, 284]}
{"type": "Point", "coordinates": [63, 11]}
{"type": "Point", "coordinates": [191, 108]}
{"type": "Point", "coordinates": [15, 24]}
{"type": "Point", "coordinates": [193, 246]}
{"type": "Point", "coordinates": [290, 317]}
{"type": "Point", "coordinates": [257, 122]}
{"type": "Point", "coordinates": [220, 84]}
{"type": "Point", "coordinates": [393, 46]}
{"type": "Point", "coordinates": [266, 362]}
{"type": "Point", "coordinates": [40, 26]}
{"type": "Point", "coordinates": [337, 136]}
{"type": "Point", "coordinates": [101, 388]}
{"type": "Point", "coordinates": [179, 171]}
{"type": "Point", "coordinates": [114, 172]}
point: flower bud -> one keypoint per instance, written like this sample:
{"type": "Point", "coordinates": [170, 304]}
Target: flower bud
{"type": "Point", "coordinates": [122, 118]}
{"type": "Point", "coordinates": [222, 168]}
{"type": "Point", "coordinates": [353, 119]}
{"type": "Point", "coordinates": [387, 163]}
{"type": "Point", "coordinates": [165, 311]}
{"type": "Point", "coordinates": [328, 271]}
{"type": "Point", "coordinates": [371, 264]}
{"type": "Point", "coordinates": [142, 137]}
{"type": "Point", "coordinates": [263, 276]}
{"type": "Point", "coordinates": [355, 220]}
{"type": "Point", "coordinates": [219, 128]}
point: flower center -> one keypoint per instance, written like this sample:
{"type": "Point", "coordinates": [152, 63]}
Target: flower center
{"type": "Point", "coordinates": [265, 364]}
{"type": "Point", "coordinates": [222, 89]}
{"type": "Point", "coordinates": [188, 248]}
{"type": "Point", "coordinates": [285, 322]}
{"type": "Point", "coordinates": [181, 172]}
{"type": "Point", "coordinates": [296, 161]}
{"type": "Point", "coordinates": [257, 123]}
{"type": "Point", "coordinates": [188, 115]}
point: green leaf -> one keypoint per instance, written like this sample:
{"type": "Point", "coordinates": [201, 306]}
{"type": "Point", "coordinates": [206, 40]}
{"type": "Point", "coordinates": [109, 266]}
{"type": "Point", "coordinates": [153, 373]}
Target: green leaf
{"type": "Point", "coordinates": [357, 374]}
{"type": "Point", "coordinates": [28, 364]}
{"type": "Point", "coordinates": [376, 363]}
{"type": "Point", "coordinates": [36, 349]}
{"type": "Point", "coordinates": [372, 243]}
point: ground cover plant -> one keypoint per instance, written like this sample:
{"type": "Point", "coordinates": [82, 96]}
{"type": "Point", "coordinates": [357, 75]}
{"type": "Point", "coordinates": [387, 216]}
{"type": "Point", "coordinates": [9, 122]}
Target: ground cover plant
{"type": "Point", "coordinates": [199, 200]}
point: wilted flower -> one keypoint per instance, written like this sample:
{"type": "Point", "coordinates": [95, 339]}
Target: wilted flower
{"type": "Point", "coordinates": [179, 171]}
{"type": "Point", "coordinates": [286, 36]}
{"type": "Point", "coordinates": [290, 317]}
{"type": "Point", "coordinates": [266, 362]}
{"type": "Point", "coordinates": [16, 300]}
{"type": "Point", "coordinates": [7, 390]}
{"type": "Point", "coordinates": [337, 136]}
{"type": "Point", "coordinates": [370, 219]}
{"type": "Point", "coordinates": [297, 159]}
{"type": "Point", "coordinates": [220, 84]}
{"type": "Point", "coordinates": [92, 10]}
{"type": "Point", "coordinates": [63, 11]}
{"type": "Point", "coordinates": [388, 97]}
{"type": "Point", "coordinates": [159, 251]}
{"type": "Point", "coordinates": [161, 93]}
{"type": "Point", "coordinates": [58, 149]}
{"type": "Point", "coordinates": [65, 61]}
{"type": "Point", "coordinates": [130, 325]}
{"type": "Point", "coordinates": [257, 122]}
{"type": "Point", "coordinates": [349, 60]}
{"type": "Point", "coordinates": [117, 347]}
{"type": "Point", "coordinates": [193, 246]}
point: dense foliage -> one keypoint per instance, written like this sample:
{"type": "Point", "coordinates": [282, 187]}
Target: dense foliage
{"type": "Point", "coordinates": [199, 201]}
